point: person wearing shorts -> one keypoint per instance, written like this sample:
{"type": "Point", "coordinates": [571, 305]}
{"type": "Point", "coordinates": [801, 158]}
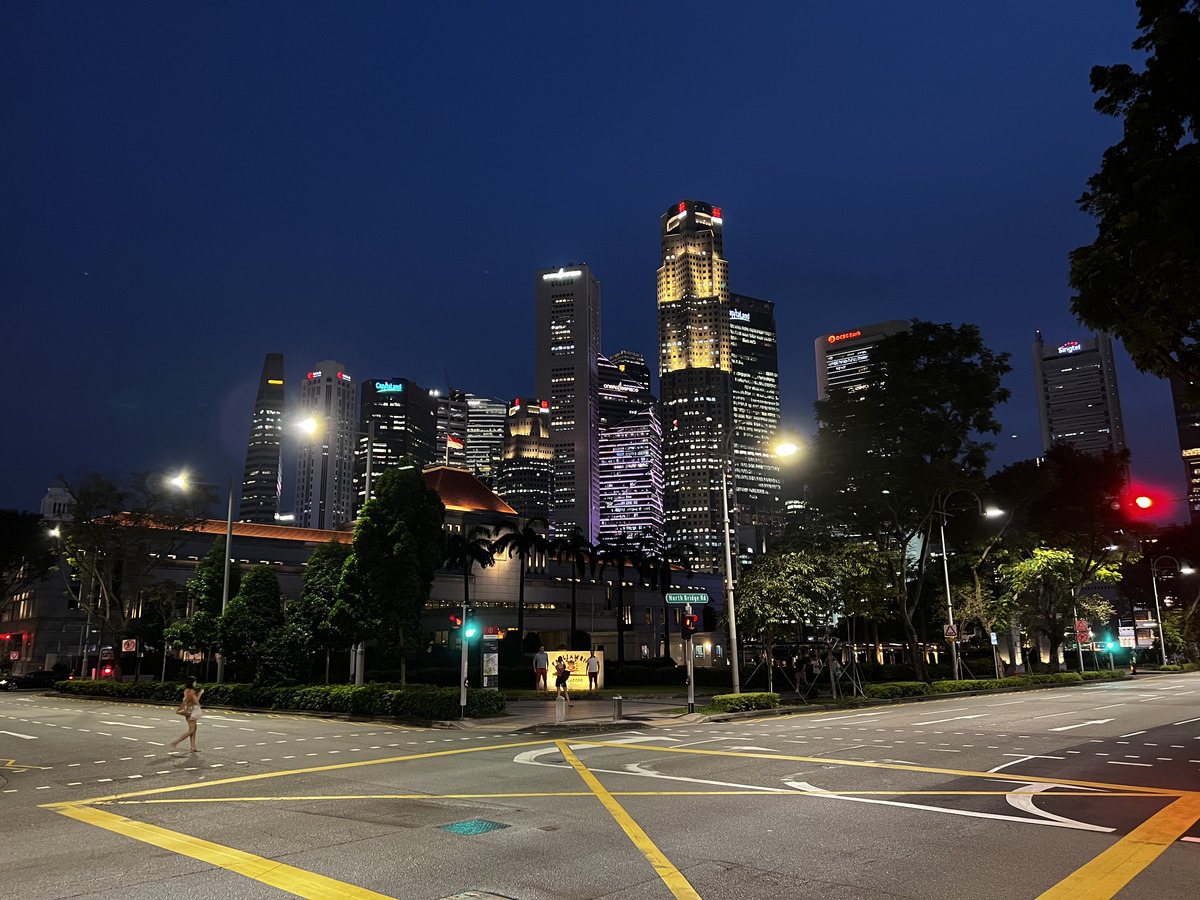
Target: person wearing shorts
{"type": "Point", "coordinates": [561, 676]}
{"type": "Point", "coordinates": [541, 663]}
{"type": "Point", "coordinates": [593, 670]}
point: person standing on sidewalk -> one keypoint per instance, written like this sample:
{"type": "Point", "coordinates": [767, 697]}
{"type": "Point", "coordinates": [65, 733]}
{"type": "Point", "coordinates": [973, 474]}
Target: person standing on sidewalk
{"type": "Point", "coordinates": [541, 664]}
{"type": "Point", "coordinates": [593, 670]}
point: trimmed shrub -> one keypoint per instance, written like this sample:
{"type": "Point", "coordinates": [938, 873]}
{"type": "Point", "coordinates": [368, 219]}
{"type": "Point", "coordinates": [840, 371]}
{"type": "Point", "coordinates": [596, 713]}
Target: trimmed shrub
{"type": "Point", "coordinates": [742, 702]}
{"type": "Point", "coordinates": [1102, 675]}
{"type": "Point", "coordinates": [1185, 667]}
{"type": "Point", "coordinates": [893, 690]}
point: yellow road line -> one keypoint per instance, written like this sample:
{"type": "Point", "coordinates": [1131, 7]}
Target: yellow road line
{"type": "Point", "coordinates": [1109, 872]}
{"type": "Point", "coordinates": [268, 871]}
{"type": "Point", "coordinates": [762, 792]}
{"type": "Point", "coordinates": [262, 775]}
{"type": "Point", "coordinates": [671, 876]}
{"type": "Point", "coordinates": [894, 767]}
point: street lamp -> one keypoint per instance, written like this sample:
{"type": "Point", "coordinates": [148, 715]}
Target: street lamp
{"type": "Point", "coordinates": [990, 513]}
{"type": "Point", "coordinates": [182, 482]}
{"type": "Point", "coordinates": [784, 448]}
{"type": "Point", "coordinates": [1183, 570]}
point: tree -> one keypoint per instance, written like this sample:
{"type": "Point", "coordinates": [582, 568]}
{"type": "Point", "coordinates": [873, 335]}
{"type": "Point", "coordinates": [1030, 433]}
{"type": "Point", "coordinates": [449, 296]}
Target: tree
{"type": "Point", "coordinates": [465, 551]}
{"type": "Point", "coordinates": [581, 554]}
{"type": "Point", "coordinates": [117, 536]}
{"type": "Point", "coordinates": [398, 546]}
{"type": "Point", "coordinates": [1140, 278]}
{"type": "Point", "coordinates": [26, 553]}
{"type": "Point", "coordinates": [887, 456]}
{"type": "Point", "coordinates": [659, 570]}
{"type": "Point", "coordinates": [206, 587]}
{"type": "Point", "coordinates": [618, 553]}
{"type": "Point", "coordinates": [313, 614]}
{"type": "Point", "coordinates": [528, 542]}
{"type": "Point", "coordinates": [252, 617]}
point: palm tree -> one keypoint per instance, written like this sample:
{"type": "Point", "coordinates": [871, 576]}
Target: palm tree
{"type": "Point", "coordinates": [659, 570]}
{"type": "Point", "coordinates": [464, 550]}
{"type": "Point", "coordinates": [581, 554]}
{"type": "Point", "coordinates": [620, 553]}
{"type": "Point", "coordinates": [528, 543]}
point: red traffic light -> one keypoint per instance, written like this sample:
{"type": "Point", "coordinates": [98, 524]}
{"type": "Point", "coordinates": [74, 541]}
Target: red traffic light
{"type": "Point", "coordinates": [1142, 501]}
{"type": "Point", "coordinates": [689, 625]}
{"type": "Point", "coordinates": [455, 621]}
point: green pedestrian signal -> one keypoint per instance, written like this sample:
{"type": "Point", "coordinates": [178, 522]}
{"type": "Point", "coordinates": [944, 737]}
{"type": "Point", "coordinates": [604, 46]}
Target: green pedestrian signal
{"type": "Point", "coordinates": [471, 628]}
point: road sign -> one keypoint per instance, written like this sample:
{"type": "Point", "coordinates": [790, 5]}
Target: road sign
{"type": "Point", "coordinates": [1081, 625]}
{"type": "Point", "coordinates": [951, 632]}
{"type": "Point", "coordinates": [129, 645]}
{"type": "Point", "coordinates": [683, 597]}
{"type": "Point", "coordinates": [1083, 637]}
{"type": "Point", "coordinates": [995, 640]}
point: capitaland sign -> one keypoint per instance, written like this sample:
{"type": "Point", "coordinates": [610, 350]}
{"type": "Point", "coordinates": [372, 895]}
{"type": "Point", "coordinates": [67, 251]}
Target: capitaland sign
{"type": "Point", "coordinates": [845, 335]}
{"type": "Point", "coordinates": [385, 388]}
{"type": "Point", "coordinates": [739, 315]}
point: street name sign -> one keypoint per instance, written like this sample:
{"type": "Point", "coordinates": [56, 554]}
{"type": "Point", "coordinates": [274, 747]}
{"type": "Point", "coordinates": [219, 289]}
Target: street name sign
{"type": "Point", "coordinates": [687, 597]}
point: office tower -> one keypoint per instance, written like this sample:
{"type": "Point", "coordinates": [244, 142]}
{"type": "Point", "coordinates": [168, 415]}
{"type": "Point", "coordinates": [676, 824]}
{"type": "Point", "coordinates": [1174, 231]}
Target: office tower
{"type": "Point", "coordinates": [1187, 423]}
{"type": "Point", "coordinates": [695, 372]}
{"type": "Point", "coordinates": [398, 418]}
{"type": "Point", "coordinates": [629, 453]}
{"type": "Point", "coordinates": [452, 416]}
{"type": "Point", "coordinates": [1078, 401]}
{"type": "Point", "coordinates": [325, 470]}
{"type": "Point", "coordinates": [567, 345]}
{"type": "Point", "coordinates": [526, 476]}
{"type": "Point", "coordinates": [755, 358]}
{"type": "Point", "coordinates": [844, 358]}
{"type": "Point", "coordinates": [485, 436]}
{"type": "Point", "coordinates": [262, 483]}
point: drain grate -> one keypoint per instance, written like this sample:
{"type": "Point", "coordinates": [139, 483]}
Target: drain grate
{"type": "Point", "coordinates": [473, 826]}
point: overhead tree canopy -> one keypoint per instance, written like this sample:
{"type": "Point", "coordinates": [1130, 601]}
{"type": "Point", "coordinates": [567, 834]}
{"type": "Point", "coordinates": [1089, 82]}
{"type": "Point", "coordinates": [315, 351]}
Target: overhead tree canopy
{"type": "Point", "coordinates": [26, 553]}
{"type": "Point", "coordinates": [1140, 278]}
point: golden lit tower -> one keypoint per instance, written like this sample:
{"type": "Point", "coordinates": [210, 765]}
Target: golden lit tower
{"type": "Point", "coordinates": [695, 375]}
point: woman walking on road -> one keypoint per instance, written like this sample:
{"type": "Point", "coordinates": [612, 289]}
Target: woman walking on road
{"type": "Point", "coordinates": [561, 676]}
{"type": "Point", "coordinates": [191, 711]}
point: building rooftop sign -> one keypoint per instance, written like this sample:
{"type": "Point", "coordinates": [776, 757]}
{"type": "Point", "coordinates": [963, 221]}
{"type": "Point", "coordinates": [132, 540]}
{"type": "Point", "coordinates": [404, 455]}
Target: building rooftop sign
{"type": "Point", "coordinates": [562, 275]}
{"type": "Point", "coordinates": [1070, 347]}
{"type": "Point", "coordinates": [845, 335]}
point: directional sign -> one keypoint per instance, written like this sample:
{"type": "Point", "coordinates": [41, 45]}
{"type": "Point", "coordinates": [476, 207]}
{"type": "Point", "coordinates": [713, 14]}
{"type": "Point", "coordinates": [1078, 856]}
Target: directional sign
{"type": "Point", "coordinates": [951, 632]}
{"type": "Point", "coordinates": [995, 640]}
{"type": "Point", "coordinates": [684, 597]}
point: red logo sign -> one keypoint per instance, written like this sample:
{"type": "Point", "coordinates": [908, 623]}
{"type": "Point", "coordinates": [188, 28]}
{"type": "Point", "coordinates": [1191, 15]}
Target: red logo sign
{"type": "Point", "coordinates": [834, 338]}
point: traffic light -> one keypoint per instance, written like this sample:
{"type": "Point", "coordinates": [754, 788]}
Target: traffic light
{"type": "Point", "coordinates": [1138, 502]}
{"type": "Point", "coordinates": [455, 621]}
{"type": "Point", "coordinates": [472, 627]}
{"type": "Point", "coordinates": [689, 625]}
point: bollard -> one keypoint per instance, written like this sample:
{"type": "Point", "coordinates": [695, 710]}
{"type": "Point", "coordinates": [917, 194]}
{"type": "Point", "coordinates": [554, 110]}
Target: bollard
{"type": "Point", "coordinates": [560, 710]}
{"type": "Point", "coordinates": [618, 715]}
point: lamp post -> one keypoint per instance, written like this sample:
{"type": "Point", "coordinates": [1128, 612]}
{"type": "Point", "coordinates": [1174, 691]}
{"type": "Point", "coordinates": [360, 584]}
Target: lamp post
{"type": "Point", "coordinates": [1183, 570]}
{"type": "Point", "coordinates": [990, 512]}
{"type": "Point", "coordinates": [181, 481]}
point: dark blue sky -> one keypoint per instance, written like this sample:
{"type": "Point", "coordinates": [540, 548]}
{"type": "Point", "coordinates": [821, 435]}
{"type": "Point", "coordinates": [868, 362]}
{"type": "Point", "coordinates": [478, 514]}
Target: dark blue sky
{"type": "Point", "coordinates": [188, 186]}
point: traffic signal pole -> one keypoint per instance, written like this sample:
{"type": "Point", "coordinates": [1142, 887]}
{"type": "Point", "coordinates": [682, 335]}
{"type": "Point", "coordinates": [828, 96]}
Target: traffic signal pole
{"type": "Point", "coordinates": [691, 656]}
{"type": "Point", "coordinates": [462, 681]}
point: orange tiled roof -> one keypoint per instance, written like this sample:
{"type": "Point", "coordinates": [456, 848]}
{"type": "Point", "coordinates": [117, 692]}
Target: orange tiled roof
{"type": "Point", "coordinates": [276, 532]}
{"type": "Point", "coordinates": [463, 492]}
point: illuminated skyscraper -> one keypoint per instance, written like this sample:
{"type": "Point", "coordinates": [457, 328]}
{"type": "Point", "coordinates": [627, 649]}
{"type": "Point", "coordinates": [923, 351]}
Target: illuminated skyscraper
{"type": "Point", "coordinates": [695, 376]}
{"type": "Point", "coordinates": [526, 476]}
{"type": "Point", "coordinates": [262, 484]}
{"type": "Point", "coordinates": [1078, 400]}
{"type": "Point", "coordinates": [325, 470]}
{"type": "Point", "coordinates": [567, 345]}
{"type": "Point", "coordinates": [402, 416]}
{"type": "Point", "coordinates": [452, 417]}
{"type": "Point", "coordinates": [485, 437]}
{"type": "Point", "coordinates": [1187, 424]}
{"type": "Point", "coordinates": [755, 357]}
{"type": "Point", "coordinates": [844, 358]}
{"type": "Point", "coordinates": [630, 453]}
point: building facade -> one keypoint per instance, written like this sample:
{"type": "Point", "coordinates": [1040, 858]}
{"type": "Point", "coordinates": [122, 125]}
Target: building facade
{"type": "Point", "coordinates": [567, 345]}
{"type": "Point", "coordinates": [485, 437]}
{"type": "Point", "coordinates": [397, 418]}
{"type": "Point", "coordinates": [1077, 395]}
{"type": "Point", "coordinates": [526, 476]}
{"type": "Point", "coordinates": [325, 468]}
{"type": "Point", "coordinates": [453, 414]}
{"type": "Point", "coordinates": [262, 480]}
{"type": "Point", "coordinates": [844, 358]}
{"type": "Point", "coordinates": [1187, 424]}
{"type": "Point", "coordinates": [695, 369]}
{"type": "Point", "coordinates": [630, 453]}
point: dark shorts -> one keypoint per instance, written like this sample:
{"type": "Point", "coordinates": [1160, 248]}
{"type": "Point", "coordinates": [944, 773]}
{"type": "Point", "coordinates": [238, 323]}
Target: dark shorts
{"type": "Point", "coordinates": [561, 680]}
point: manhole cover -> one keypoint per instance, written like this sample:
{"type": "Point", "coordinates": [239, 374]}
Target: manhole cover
{"type": "Point", "coordinates": [474, 826]}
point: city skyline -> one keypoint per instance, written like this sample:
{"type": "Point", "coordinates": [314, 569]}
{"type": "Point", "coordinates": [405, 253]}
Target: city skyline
{"type": "Point", "coordinates": [164, 230]}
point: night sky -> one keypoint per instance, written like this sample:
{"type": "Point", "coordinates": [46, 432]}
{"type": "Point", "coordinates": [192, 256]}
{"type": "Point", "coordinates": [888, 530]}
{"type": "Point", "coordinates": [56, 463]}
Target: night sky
{"type": "Point", "coordinates": [188, 186]}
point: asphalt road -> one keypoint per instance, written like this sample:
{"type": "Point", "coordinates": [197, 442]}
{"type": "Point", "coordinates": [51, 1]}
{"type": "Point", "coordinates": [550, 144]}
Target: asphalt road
{"type": "Point", "coordinates": [1085, 792]}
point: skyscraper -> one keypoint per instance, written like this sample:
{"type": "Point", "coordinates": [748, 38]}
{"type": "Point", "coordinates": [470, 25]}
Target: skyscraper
{"type": "Point", "coordinates": [485, 437]}
{"type": "Point", "coordinates": [844, 358]}
{"type": "Point", "coordinates": [567, 345]}
{"type": "Point", "coordinates": [630, 453]}
{"type": "Point", "coordinates": [526, 476]}
{"type": "Point", "coordinates": [695, 376]}
{"type": "Point", "coordinates": [401, 416]}
{"type": "Point", "coordinates": [325, 470]}
{"type": "Point", "coordinates": [452, 418]}
{"type": "Point", "coordinates": [753, 348]}
{"type": "Point", "coordinates": [262, 484]}
{"type": "Point", "coordinates": [1187, 424]}
{"type": "Point", "coordinates": [1078, 400]}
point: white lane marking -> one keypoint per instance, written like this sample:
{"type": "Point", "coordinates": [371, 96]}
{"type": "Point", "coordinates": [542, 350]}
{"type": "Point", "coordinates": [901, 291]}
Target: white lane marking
{"type": "Point", "coordinates": [1081, 725]}
{"type": "Point", "coordinates": [843, 718]}
{"type": "Point", "coordinates": [1133, 734]}
{"type": "Point", "coordinates": [1117, 762]}
{"type": "Point", "coordinates": [772, 749]}
{"type": "Point", "coordinates": [1023, 800]}
{"type": "Point", "coordinates": [24, 737]}
{"type": "Point", "coordinates": [1186, 722]}
{"type": "Point", "coordinates": [951, 719]}
{"type": "Point", "coordinates": [1110, 706]}
{"type": "Point", "coordinates": [1009, 703]}
{"type": "Point", "coordinates": [1069, 712]}
{"type": "Point", "coordinates": [807, 788]}
{"type": "Point", "coordinates": [128, 725]}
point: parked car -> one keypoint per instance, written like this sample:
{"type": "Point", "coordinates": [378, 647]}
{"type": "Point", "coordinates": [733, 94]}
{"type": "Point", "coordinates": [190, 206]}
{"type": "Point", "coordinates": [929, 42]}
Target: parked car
{"type": "Point", "coordinates": [43, 679]}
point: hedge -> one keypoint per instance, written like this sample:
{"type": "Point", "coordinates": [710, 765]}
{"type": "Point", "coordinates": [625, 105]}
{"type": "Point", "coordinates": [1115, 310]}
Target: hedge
{"type": "Point", "coordinates": [742, 702]}
{"type": "Point", "coordinates": [1185, 667]}
{"type": "Point", "coordinates": [893, 690]}
{"type": "Point", "coordinates": [414, 701]}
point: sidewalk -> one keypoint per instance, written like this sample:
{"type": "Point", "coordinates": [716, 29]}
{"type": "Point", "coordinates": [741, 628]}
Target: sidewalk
{"type": "Point", "coordinates": [585, 714]}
